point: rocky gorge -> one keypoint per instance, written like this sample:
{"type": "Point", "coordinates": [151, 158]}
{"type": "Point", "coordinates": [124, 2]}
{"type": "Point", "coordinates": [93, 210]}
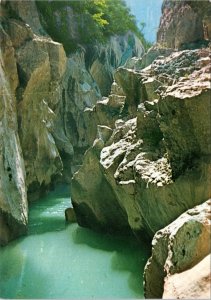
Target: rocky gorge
{"type": "Point", "coordinates": [45, 93]}
{"type": "Point", "coordinates": [132, 128]}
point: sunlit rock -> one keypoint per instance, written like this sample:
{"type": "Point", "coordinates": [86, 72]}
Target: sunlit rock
{"type": "Point", "coordinates": [192, 284]}
{"type": "Point", "coordinates": [182, 23]}
{"type": "Point", "coordinates": [156, 155]}
{"type": "Point", "coordinates": [176, 248]}
{"type": "Point", "coordinates": [13, 199]}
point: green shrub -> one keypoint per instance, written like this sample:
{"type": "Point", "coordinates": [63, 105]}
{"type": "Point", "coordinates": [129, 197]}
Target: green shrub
{"type": "Point", "coordinates": [96, 21]}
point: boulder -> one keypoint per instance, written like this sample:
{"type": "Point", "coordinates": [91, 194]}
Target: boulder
{"type": "Point", "coordinates": [90, 184]}
{"type": "Point", "coordinates": [191, 284]}
{"type": "Point", "coordinates": [178, 247]}
{"type": "Point", "coordinates": [184, 113]}
{"type": "Point", "coordinates": [70, 216]}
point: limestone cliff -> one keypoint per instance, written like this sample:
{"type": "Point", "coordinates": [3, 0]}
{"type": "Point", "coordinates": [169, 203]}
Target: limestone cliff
{"type": "Point", "coordinates": [150, 161]}
{"type": "Point", "coordinates": [32, 67]}
{"type": "Point", "coordinates": [147, 138]}
{"type": "Point", "coordinates": [44, 127]}
{"type": "Point", "coordinates": [88, 77]}
{"type": "Point", "coordinates": [72, 25]}
{"type": "Point", "coordinates": [157, 154]}
{"type": "Point", "coordinates": [13, 200]}
{"type": "Point", "coordinates": [184, 22]}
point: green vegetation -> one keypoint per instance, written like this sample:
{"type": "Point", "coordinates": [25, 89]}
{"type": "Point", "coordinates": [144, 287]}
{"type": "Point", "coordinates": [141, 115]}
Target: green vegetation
{"type": "Point", "coordinates": [96, 21]}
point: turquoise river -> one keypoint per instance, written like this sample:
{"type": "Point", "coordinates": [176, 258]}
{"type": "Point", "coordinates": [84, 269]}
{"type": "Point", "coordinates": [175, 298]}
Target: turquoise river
{"type": "Point", "coordinates": [56, 260]}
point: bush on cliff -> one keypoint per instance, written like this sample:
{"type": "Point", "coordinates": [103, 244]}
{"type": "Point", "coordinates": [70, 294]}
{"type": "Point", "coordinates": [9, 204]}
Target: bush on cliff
{"type": "Point", "coordinates": [93, 21]}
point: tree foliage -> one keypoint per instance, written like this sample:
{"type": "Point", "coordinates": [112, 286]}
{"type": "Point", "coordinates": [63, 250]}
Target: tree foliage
{"type": "Point", "coordinates": [97, 20]}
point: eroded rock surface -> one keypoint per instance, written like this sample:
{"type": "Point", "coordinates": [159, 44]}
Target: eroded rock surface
{"type": "Point", "coordinates": [190, 284]}
{"type": "Point", "coordinates": [178, 247]}
{"type": "Point", "coordinates": [157, 155]}
{"type": "Point", "coordinates": [13, 198]}
{"type": "Point", "coordinates": [41, 63]}
{"type": "Point", "coordinates": [184, 23]}
{"type": "Point", "coordinates": [51, 103]}
{"type": "Point", "coordinates": [106, 59]}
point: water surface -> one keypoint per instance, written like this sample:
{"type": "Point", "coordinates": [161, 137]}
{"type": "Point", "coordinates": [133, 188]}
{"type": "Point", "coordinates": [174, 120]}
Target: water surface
{"type": "Point", "coordinates": [66, 261]}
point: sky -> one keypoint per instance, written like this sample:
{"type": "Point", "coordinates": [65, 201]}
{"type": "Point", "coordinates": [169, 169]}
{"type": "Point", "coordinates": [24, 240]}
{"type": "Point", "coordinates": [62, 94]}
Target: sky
{"type": "Point", "coordinates": [149, 12]}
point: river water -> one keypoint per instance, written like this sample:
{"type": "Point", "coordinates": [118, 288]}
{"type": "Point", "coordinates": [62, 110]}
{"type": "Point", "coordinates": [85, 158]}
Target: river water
{"type": "Point", "coordinates": [56, 260]}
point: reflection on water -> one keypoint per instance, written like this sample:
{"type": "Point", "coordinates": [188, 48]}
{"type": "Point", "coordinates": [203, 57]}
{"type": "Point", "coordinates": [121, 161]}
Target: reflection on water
{"type": "Point", "coordinates": [66, 261]}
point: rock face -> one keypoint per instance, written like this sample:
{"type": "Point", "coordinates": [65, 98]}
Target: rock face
{"type": "Point", "coordinates": [78, 92]}
{"type": "Point", "coordinates": [27, 12]}
{"type": "Point", "coordinates": [157, 155]}
{"type": "Point", "coordinates": [179, 246]}
{"type": "Point", "coordinates": [71, 26]}
{"type": "Point", "coordinates": [13, 200]}
{"type": "Point", "coordinates": [48, 99]}
{"type": "Point", "coordinates": [184, 22]}
{"type": "Point", "coordinates": [191, 284]}
{"type": "Point", "coordinates": [39, 64]}
{"type": "Point", "coordinates": [45, 60]}
{"type": "Point", "coordinates": [106, 59]}
{"type": "Point", "coordinates": [150, 161]}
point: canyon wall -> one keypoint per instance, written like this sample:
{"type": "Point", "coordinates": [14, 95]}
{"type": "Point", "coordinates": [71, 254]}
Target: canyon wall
{"type": "Point", "coordinates": [146, 137]}
{"type": "Point", "coordinates": [184, 24]}
{"type": "Point", "coordinates": [155, 150]}
{"type": "Point", "coordinates": [13, 199]}
{"type": "Point", "coordinates": [45, 89]}
{"type": "Point", "coordinates": [32, 67]}
{"type": "Point", "coordinates": [151, 161]}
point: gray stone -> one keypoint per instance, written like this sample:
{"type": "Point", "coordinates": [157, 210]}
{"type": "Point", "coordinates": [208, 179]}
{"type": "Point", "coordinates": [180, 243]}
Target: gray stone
{"type": "Point", "coordinates": [178, 247]}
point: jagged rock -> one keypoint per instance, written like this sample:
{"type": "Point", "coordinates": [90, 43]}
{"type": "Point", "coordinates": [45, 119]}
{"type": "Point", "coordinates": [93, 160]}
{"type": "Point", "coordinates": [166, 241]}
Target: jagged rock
{"type": "Point", "coordinates": [190, 284]}
{"type": "Point", "coordinates": [101, 58]}
{"type": "Point", "coordinates": [156, 51]}
{"type": "Point", "coordinates": [153, 53]}
{"type": "Point", "coordinates": [186, 135]}
{"type": "Point", "coordinates": [106, 111]}
{"type": "Point", "coordinates": [178, 247]}
{"type": "Point", "coordinates": [13, 200]}
{"type": "Point", "coordinates": [104, 133]}
{"type": "Point", "coordinates": [84, 109]}
{"type": "Point", "coordinates": [18, 31]}
{"type": "Point", "coordinates": [110, 57]}
{"type": "Point", "coordinates": [147, 124]}
{"type": "Point", "coordinates": [182, 22]}
{"type": "Point", "coordinates": [145, 161]}
{"type": "Point", "coordinates": [79, 92]}
{"type": "Point", "coordinates": [56, 101]}
{"type": "Point", "coordinates": [129, 80]}
{"type": "Point", "coordinates": [111, 217]}
{"type": "Point", "coordinates": [132, 170]}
